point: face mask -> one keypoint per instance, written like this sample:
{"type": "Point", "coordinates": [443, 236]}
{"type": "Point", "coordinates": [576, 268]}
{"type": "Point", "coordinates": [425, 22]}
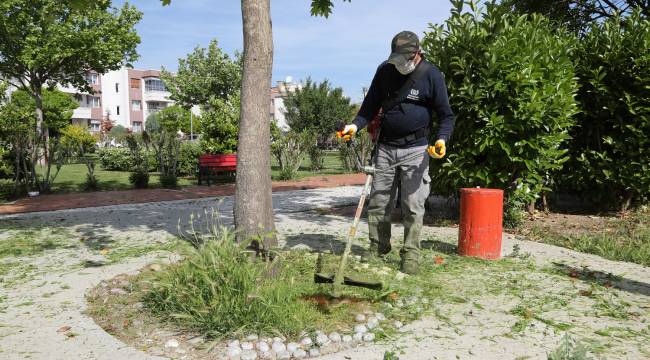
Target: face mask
{"type": "Point", "coordinates": [407, 68]}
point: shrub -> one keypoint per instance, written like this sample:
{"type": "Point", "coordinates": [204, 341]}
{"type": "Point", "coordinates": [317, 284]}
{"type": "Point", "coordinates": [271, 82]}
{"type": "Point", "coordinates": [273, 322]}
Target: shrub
{"type": "Point", "coordinates": [119, 159]}
{"type": "Point", "coordinates": [189, 158]}
{"type": "Point", "coordinates": [115, 159]}
{"type": "Point", "coordinates": [511, 83]}
{"type": "Point", "coordinates": [610, 160]}
{"type": "Point", "coordinates": [362, 146]}
{"type": "Point", "coordinates": [220, 126]}
{"type": "Point", "coordinates": [289, 150]}
{"type": "Point", "coordinates": [139, 176]}
{"type": "Point", "coordinates": [169, 181]}
{"type": "Point", "coordinates": [76, 140]}
{"type": "Point", "coordinates": [139, 179]}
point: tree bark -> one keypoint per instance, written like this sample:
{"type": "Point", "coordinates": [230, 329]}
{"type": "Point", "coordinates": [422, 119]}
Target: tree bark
{"type": "Point", "coordinates": [253, 210]}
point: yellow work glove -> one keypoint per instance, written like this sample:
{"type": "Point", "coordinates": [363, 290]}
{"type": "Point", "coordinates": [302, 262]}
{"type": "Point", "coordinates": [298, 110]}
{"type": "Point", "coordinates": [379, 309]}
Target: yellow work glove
{"type": "Point", "coordinates": [347, 133]}
{"type": "Point", "coordinates": [438, 150]}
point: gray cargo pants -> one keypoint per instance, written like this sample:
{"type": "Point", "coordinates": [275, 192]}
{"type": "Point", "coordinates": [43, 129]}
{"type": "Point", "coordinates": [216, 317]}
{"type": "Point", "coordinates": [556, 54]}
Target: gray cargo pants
{"type": "Point", "coordinates": [414, 180]}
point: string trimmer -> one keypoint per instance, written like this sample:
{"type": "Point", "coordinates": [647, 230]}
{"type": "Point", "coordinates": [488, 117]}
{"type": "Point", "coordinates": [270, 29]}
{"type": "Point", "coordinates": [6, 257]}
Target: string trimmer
{"type": "Point", "coordinates": [339, 278]}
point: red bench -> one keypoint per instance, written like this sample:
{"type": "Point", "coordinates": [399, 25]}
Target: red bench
{"type": "Point", "coordinates": [211, 164]}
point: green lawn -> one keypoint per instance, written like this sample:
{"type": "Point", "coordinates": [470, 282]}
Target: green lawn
{"type": "Point", "coordinates": [71, 178]}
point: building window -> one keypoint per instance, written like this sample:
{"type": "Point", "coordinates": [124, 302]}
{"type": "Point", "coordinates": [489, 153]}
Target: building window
{"type": "Point", "coordinates": [117, 87]}
{"type": "Point", "coordinates": [154, 84]}
{"type": "Point", "coordinates": [118, 110]}
{"type": "Point", "coordinates": [92, 78]}
{"type": "Point", "coordinates": [94, 125]}
{"type": "Point", "coordinates": [136, 105]}
{"type": "Point", "coordinates": [137, 126]}
{"type": "Point", "coordinates": [155, 106]}
{"type": "Point", "coordinates": [135, 83]}
{"type": "Point", "coordinates": [93, 101]}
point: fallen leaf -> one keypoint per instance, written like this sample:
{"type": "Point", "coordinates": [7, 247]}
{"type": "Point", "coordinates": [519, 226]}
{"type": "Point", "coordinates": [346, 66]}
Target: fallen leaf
{"type": "Point", "coordinates": [585, 292]}
{"type": "Point", "coordinates": [104, 251]}
{"type": "Point", "coordinates": [573, 274]}
{"type": "Point", "coordinates": [63, 329]}
{"type": "Point", "coordinates": [126, 323]}
{"type": "Point", "coordinates": [439, 260]}
{"type": "Point", "coordinates": [608, 284]}
{"type": "Point", "coordinates": [392, 296]}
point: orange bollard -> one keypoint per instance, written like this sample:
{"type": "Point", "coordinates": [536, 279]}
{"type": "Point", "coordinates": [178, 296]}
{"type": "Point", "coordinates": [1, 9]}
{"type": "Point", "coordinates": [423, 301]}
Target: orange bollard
{"type": "Point", "coordinates": [481, 223]}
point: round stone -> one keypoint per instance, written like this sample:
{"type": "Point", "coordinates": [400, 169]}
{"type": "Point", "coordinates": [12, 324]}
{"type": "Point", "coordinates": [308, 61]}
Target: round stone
{"type": "Point", "coordinates": [314, 352]}
{"type": "Point", "coordinates": [369, 337]}
{"type": "Point", "coordinates": [172, 343]}
{"type": "Point", "coordinates": [360, 329]}
{"type": "Point", "coordinates": [278, 346]}
{"type": "Point", "coordinates": [283, 355]}
{"type": "Point", "coordinates": [373, 322]}
{"type": "Point", "coordinates": [299, 354]}
{"type": "Point", "coordinates": [233, 352]}
{"type": "Point", "coordinates": [247, 346]}
{"type": "Point", "coordinates": [380, 316]}
{"type": "Point", "coordinates": [266, 355]}
{"type": "Point", "coordinates": [358, 337]}
{"type": "Point", "coordinates": [262, 346]}
{"type": "Point", "coordinates": [346, 339]}
{"type": "Point", "coordinates": [399, 303]}
{"type": "Point", "coordinates": [291, 347]}
{"type": "Point", "coordinates": [329, 348]}
{"type": "Point", "coordinates": [233, 343]}
{"type": "Point", "coordinates": [248, 355]}
{"type": "Point", "coordinates": [322, 339]}
{"type": "Point", "coordinates": [335, 337]}
{"type": "Point", "coordinates": [278, 339]}
{"type": "Point", "coordinates": [425, 301]}
{"type": "Point", "coordinates": [360, 318]}
{"type": "Point", "coordinates": [306, 342]}
{"type": "Point", "coordinates": [252, 337]}
{"type": "Point", "coordinates": [398, 324]}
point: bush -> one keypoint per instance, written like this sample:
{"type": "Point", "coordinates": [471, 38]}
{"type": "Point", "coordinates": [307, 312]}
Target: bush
{"type": "Point", "coordinates": [512, 84]}
{"type": "Point", "coordinates": [139, 176]}
{"type": "Point", "coordinates": [289, 150]}
{"type": "Point", "coordinates": [610, 160]}
{"type": "Point", "coordinates": [77, 141]}
{"type": "Point", "coordinates": [189, 158]}
{"type": "Point", "coordinates": [220, 126]}
{"type": "Point", "coordinates": [169, 181]}
{"type": "Point", "coordinates": [139, 179]}
{"type": "Point", "coordinates": [362, 146]}
{"type": "Point", "coordinates": [119, 159]}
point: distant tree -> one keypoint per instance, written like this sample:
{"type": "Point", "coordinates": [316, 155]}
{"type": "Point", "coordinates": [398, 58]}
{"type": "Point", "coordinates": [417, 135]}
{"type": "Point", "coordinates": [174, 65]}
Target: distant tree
{"type": "Point", "coordinates": [203, 75]}
{"type": "Point", "coordinates": [51, 41]}
{"type": "Point", "coordinates": [119, 133]}
{"type": "Point", "coordinates": [174, 118]}
{"type": "Point", "coordinates": [317, 108]}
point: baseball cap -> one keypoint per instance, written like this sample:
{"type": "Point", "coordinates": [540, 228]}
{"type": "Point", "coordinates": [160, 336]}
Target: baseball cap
{"type": "Point", "coordinates": [403, 46]}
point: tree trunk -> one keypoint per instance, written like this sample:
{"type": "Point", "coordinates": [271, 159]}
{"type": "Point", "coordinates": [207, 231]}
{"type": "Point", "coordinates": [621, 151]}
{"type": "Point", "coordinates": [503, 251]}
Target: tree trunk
{"type": "Point", "coordinates": [253, 206]}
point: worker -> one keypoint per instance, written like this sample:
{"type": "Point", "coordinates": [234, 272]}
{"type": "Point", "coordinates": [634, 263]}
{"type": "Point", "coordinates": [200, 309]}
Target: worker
{"type": "Point", "coordinates": [408, 90]}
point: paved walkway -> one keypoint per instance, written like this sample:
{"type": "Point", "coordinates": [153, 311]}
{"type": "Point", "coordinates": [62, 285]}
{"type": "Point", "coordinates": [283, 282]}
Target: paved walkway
{"type": "Point", "coordinates": [105, 198]}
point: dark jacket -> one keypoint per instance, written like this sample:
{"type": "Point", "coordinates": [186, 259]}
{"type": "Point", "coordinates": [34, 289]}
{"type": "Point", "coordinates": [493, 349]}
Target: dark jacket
{"type": "Point", "coordinates": [428, 94]}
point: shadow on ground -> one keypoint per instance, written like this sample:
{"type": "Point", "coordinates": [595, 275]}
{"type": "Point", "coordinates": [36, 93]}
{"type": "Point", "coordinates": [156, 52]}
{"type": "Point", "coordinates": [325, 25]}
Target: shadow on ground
{"type": "Point", "coordinates": [604, 279]}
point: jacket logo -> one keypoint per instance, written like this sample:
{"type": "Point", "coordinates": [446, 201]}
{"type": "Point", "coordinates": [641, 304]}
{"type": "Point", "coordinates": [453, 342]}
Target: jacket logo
{"type": "Point", "coordinates": [414, 95]}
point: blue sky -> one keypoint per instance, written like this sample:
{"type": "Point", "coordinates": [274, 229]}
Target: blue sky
{"type": "Point", "coordinates": [345, 48]}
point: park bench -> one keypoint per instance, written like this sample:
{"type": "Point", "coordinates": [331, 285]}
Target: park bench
{"type": "Point", "coordinates": [213, 164]}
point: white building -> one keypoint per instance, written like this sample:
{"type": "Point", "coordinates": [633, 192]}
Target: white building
{"type": "Point", "coordinates": [278, 93]}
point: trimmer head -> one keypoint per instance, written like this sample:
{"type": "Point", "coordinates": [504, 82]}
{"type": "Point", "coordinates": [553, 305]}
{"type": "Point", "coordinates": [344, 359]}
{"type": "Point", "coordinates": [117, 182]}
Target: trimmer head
{"type": "Point", "coordinates": [329, 279]}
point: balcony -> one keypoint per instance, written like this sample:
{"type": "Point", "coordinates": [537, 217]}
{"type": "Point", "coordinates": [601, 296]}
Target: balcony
{"type": "Point", "coordinates": [82, 113]}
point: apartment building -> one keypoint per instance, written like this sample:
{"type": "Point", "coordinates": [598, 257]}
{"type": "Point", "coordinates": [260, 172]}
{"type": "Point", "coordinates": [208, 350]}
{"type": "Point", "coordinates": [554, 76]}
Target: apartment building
{"type": "Point", "coordinates": [278, 94]}
{"type": "Point", "coordinates": [125, 96]}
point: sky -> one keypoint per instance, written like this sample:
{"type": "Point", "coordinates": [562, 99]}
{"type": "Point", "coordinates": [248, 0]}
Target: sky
{"type": "Point", "coordinates": [345, 48]}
